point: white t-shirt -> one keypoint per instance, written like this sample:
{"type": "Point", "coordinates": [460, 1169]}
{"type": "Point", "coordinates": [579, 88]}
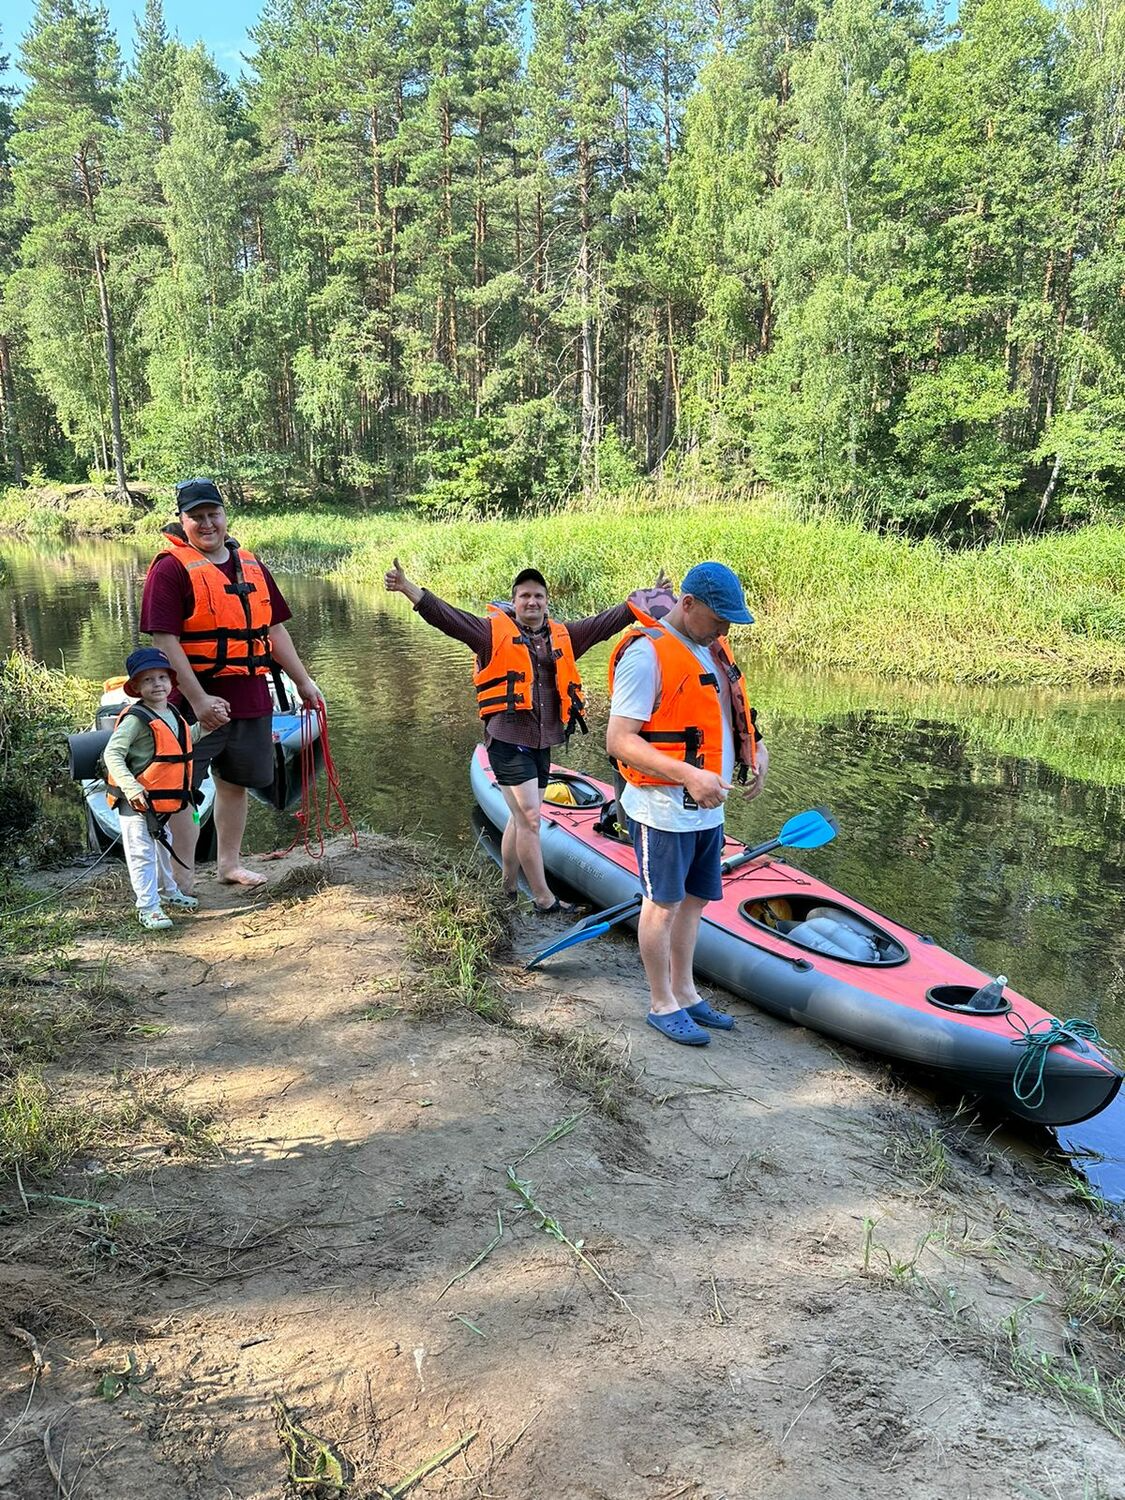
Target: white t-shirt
{"type": "Point", "coordinates": [636, 693]}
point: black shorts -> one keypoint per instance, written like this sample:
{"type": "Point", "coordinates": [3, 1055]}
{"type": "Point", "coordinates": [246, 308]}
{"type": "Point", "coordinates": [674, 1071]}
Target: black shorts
{"type": "Point", "coordinates": [512, 765]}
{"type": "Point", "coordinates": [240, 752]}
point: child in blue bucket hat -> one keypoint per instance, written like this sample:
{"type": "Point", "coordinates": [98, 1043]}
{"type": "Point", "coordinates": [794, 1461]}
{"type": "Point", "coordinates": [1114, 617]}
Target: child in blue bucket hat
{"type": "Point", "coordinates": [148, 773]}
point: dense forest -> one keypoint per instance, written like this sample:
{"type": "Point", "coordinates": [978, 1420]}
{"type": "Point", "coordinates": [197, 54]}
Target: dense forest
{"type": "Point", "coordinates": [478, 254]}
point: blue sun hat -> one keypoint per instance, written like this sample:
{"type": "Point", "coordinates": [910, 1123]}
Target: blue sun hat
{"type": "Point", "coordinates": [146, 659]}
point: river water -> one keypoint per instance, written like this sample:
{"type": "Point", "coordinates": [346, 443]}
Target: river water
{"type": "Point", "coordinates": [991, 820]}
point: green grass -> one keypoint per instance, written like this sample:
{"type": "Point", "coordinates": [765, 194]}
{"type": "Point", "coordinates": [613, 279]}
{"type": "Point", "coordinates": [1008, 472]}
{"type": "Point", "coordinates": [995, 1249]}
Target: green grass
{"type": "Point", "coordinates": [589, 1064]}
{"type": "Point", "coordinates": [32, 927]}
{"type": "Point", "coordinates": [39, 1133]}
{"type": "Point", "coordinates": [459, 926]}
{"type": "Point", "coordinates": [1080, 1388]}
{"type": "Point", "coordinates": [828, 592]}
{"type": "Point", "coordinates": [920, 1153]}
{"type": "Point", "coordinates": [45, 1014]}
{"type": "Point", "coordinates": [1094, 1290]}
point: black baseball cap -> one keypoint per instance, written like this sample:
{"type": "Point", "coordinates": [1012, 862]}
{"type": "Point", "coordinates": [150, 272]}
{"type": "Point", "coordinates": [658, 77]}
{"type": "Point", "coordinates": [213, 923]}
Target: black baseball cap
{"type": "Point", "coordinates": [193, 492]}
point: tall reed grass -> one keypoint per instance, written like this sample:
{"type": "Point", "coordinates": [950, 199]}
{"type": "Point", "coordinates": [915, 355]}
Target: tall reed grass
{"type": "Point", "coordinates": [826, 590]}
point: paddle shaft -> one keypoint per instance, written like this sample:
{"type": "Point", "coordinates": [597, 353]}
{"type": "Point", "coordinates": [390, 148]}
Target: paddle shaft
{"type": "Point", "coordinates": [806, 830]}
{"type": "Point", "coordinates": [600, 922]}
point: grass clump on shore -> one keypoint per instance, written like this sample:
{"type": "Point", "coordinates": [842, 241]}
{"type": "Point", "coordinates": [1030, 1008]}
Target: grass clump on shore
{"type": "Point", "coordinates": [826, 591]}
{"type": "Point", "coordinates": [39, 707]}
{"type": "Point", "coordinates": [461, 925]}
{"type": "Point", "coordinates": [1094, 1291]}
{"type": "Point", "coordinates": [59, 511]}
{"type": "Point", "coordinates": [459, 928]}
{"type": "Point", "coordinates": [39, 1133]}
{"type": "Point", "coordinates": [44, 1016]}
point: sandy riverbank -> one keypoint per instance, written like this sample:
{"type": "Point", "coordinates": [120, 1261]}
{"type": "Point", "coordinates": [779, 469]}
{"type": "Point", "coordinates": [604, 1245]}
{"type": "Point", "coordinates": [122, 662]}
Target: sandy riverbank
{"type": "Point", "coordinates": [810, 1280]}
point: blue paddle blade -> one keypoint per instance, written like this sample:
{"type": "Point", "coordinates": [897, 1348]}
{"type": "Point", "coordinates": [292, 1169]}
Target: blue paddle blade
{"type": "Point", "coordinates": [808, 830]}
{"type": "Point", "coordinates": [570, 941]}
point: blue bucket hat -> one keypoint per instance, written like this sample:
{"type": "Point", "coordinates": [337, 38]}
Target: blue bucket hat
{"type": "Point", "coordinates": [146, 659]}
{"type": "Point", "coordinates": [713, 584]}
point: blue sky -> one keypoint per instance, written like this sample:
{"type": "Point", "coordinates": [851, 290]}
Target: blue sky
{"type": "Point", "coordinates": [221, 24]}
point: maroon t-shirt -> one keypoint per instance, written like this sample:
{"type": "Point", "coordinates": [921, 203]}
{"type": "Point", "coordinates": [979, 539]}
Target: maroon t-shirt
{"type": "Point", "coordinates": [167, 602]}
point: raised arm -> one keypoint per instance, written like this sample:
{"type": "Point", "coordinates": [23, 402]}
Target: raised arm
{"type": "Point", "coordinates": [458, 624]}
{"type": "Point", "coordinates": [657, 600]}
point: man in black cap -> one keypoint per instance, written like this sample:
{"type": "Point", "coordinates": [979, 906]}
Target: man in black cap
{"type": "Point", "coordinates": [529, 696]}
{"type": "Point", "coordinates": [219, 617]}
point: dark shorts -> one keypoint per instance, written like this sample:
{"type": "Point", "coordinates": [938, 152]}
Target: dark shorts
{"type": "Point", "coordinates": [240, 752]}
{"type": "Point", "coordinates": [674, 865]}
{"type": "Point", "coordinates": [512, 765]}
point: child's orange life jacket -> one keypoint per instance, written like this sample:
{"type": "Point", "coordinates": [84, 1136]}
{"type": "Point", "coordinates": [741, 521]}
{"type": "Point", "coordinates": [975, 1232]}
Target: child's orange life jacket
{"type": "Point", "coordinates": [167, 776]}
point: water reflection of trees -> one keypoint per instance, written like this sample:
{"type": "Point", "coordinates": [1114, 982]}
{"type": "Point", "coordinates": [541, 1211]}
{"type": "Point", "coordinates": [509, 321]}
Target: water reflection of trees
{"type": "Point", "coordinates": [1003, 861]}
{"type": "Point", "coordinates": [78, 605]}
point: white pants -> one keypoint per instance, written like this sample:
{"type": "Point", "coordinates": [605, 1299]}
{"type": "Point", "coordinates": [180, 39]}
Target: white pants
{"type": "Point", "coordinates": [148, 862]}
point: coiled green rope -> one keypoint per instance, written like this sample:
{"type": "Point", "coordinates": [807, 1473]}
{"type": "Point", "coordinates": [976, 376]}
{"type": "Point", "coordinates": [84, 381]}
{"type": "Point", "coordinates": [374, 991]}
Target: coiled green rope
{"type": "Point", "coordinates": [1027, 1080]}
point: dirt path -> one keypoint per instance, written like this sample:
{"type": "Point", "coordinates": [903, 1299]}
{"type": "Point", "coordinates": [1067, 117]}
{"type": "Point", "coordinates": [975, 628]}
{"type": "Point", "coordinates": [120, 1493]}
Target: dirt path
{"type": "Point", "coordinates": [815, 1283]}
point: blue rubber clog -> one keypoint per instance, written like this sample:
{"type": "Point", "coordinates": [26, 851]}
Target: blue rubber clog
{"type": "Point", "coordinates": [678, 1026]}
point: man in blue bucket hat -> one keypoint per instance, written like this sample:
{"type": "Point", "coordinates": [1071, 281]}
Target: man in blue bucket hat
{"type": "Point", "coordinates": [683, 733]}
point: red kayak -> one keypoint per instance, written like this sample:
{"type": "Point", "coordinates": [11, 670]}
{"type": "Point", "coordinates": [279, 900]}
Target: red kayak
{"type": "Point", "coordinates": [798, 948]}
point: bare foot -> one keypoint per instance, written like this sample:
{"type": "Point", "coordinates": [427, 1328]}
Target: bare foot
{"type": "Point", "coordinates": [240, 875]}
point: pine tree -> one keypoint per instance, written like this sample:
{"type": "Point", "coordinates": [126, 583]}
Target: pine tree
{"type": "Point", "coordinates": [1077, 394]}
{"type": "Point", "coordinates": [209, 405]}
{"type": "Point", "coordinates": [980, 199]}
{"type": "Point", "coordinates": [61, 150]}
{"type": "Point", "coordinates": [588, 147]}
{"type": "Point", "coordinates": [815, 403]}
{"type": "Point", "coordinates": [329, 105]}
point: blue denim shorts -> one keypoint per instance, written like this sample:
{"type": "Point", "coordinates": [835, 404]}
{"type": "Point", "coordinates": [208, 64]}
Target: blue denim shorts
{"type": "Point", "coordinates": [674, 865]}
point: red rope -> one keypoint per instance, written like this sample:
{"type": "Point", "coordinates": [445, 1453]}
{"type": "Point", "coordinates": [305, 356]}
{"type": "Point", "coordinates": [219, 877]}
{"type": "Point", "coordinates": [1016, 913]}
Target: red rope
{"type": "Point", "coordinates": [315, 819]}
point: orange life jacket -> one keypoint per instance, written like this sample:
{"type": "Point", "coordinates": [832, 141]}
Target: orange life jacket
{"type": "Point", "coordinates": [167, 776]}
{"type": "Point", "coordinates": [227, 633]}
{"type": "Point", "coordinates": [505, 682]}
{"type": "Point", "coordinates": [687, 723]}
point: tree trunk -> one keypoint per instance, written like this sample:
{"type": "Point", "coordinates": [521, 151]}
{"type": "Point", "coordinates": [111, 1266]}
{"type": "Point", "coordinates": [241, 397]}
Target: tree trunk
{"type": "Point", "coordinates": [480, 234]}
{"type": "Point", "coordinates": [108, 339]}
{"type": "Point", "coordinates": [586, 353]}
{"type": "Point", "coordinates": [1056, 468]}
{"type": "Point", "coordinates": [9, 423]}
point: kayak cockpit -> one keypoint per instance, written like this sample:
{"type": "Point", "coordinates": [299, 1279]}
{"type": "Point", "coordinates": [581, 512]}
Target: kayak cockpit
{"type": "Point", "coordinates": [566, 789]}
{"type": "Point", "coordinates": [818, 926]}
